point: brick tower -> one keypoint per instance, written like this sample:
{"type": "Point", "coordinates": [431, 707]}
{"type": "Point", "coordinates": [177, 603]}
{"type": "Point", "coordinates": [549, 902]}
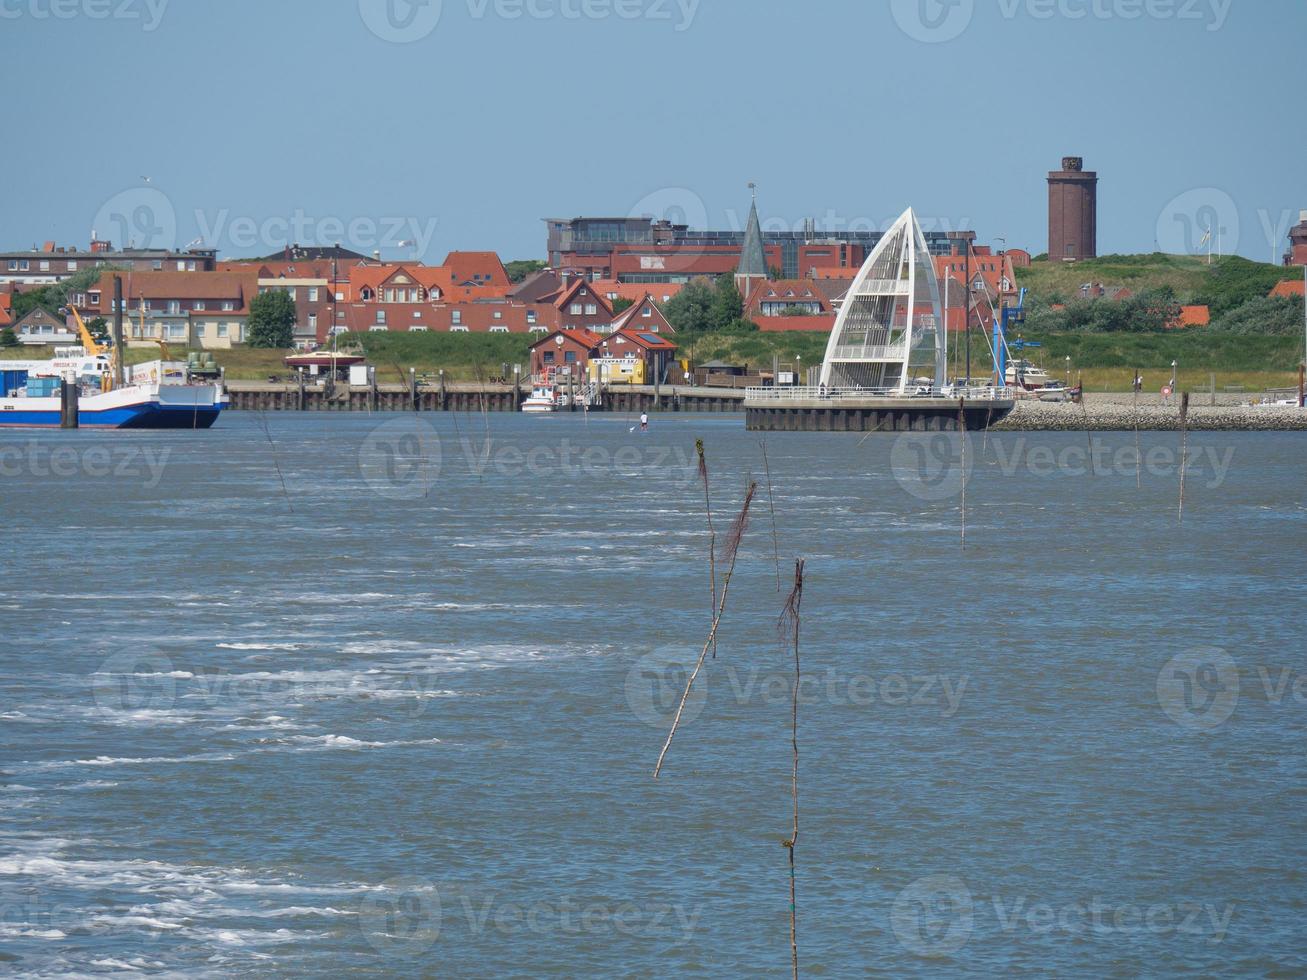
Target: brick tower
{"type": "Point", "coordinates": [1297, 254]}
{"type": "Point", "coordinates": [1072, 212]}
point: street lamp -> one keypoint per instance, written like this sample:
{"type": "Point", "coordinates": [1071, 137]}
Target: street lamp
{"type": "Point", "coordinates": [1173, 365]}
{"type": "Point", "coordinates": [798, 369]}
{"type": "Point", "coordinates": [1068, 370]}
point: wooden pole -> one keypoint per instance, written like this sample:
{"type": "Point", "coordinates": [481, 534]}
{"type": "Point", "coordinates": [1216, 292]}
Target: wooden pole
{"type": "Point", "coordinates": [1184, 447]}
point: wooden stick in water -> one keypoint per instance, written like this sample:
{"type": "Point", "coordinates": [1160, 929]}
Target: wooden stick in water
{"type": "Point", "coordinates": [771, 506]}
{"type": "Point", "coordinates": [1184, 447]}
{"type": "Point", "coordinates": [790, 624]}
{"type": "Point", "coordinates": [733, 550]}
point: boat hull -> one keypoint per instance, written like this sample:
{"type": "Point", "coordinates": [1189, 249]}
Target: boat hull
{"type": "Point", "coordinates": [133, 407]}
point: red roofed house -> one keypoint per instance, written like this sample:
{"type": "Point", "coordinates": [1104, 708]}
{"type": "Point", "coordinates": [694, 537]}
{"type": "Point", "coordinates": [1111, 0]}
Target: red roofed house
{"type": "Point", "coordinates": [660, 292]}
{"type": "Point", "coordinates": [642, 315]}
{"type": "Point", "coordinates": [581, 307]}
{"type": "Point", "coordinates": [6, 308]}
{"type": "Point", "coordinates": [631, 356]}
{"type": "Point", "coordinates": [484, 316]}
{"type": "Point", "coordinates": [794, 304]}
{"type": "Point", "coordinates": [481, 272]}
{"type": "Point", "coordinates": [195, 309]}
{"type": "Point", "coordinates": [564, 352]}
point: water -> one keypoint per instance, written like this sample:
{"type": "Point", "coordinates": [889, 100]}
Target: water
{"type": "Point", "coordinates": [401, 717]}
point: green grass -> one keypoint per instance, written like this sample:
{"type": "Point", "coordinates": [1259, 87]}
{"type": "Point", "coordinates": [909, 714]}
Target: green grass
{"type": "Point", "coordinates": [1223, 285]}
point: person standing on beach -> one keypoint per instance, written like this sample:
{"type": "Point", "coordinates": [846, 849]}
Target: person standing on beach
{"type": "Point", "coordinates": [644, 421]}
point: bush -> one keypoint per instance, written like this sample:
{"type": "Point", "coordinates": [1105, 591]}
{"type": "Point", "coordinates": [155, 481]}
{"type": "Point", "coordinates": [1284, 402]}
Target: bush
{"type": "Point", "coordinates": [1266, 315]}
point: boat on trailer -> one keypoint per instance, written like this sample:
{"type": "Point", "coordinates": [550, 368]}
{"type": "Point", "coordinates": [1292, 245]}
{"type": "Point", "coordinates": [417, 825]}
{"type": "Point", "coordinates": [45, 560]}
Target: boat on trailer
{"type": "Point", "coordinates": [886, 360]}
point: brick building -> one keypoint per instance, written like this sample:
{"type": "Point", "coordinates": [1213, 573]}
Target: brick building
{"type": "Point", "coordinates": [51, 263]}
{"type": "Point", "coordinates": [1072, 212]}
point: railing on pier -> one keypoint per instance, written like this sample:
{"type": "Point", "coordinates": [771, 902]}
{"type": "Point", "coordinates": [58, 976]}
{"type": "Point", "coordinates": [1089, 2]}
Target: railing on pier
{"type": "Point", "coordinates": [809, 393]}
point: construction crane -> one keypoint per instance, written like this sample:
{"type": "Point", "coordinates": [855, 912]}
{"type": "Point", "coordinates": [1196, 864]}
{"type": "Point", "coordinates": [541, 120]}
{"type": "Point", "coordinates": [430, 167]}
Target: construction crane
{"type": "Point", "coordinates": [88, 342]}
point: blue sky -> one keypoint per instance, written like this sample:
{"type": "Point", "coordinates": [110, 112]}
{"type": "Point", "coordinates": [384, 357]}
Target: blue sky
{"type": "Point", "coordinates": [461, 123]}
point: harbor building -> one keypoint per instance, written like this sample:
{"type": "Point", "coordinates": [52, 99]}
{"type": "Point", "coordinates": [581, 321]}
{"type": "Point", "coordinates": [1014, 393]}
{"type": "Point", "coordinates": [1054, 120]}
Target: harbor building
{"type": "Point", "coordinates": [1297, 254]}
{"type": "Point", "coordinates": [51, 262]}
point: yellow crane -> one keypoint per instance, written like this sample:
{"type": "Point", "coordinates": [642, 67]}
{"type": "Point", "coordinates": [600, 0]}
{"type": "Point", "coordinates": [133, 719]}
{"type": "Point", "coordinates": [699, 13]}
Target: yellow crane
{"type": "Point", "coordinates": [88, 342]}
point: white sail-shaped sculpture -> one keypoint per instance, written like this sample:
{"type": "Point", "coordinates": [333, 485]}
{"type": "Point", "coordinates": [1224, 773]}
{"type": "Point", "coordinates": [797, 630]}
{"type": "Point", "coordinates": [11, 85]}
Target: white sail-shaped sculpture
{"type": "Point", "coordinates": [890, 327]}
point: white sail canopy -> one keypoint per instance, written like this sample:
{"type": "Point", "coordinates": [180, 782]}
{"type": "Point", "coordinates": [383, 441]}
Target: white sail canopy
{"type": "Point", "coordinates": [890, 327]}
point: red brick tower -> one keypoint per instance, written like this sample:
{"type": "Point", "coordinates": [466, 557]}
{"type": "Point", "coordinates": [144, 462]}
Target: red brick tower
{"type": "Point", "coordinates": [1297, 254]}
{"type": "Point", "coordinates": [1072, 212]}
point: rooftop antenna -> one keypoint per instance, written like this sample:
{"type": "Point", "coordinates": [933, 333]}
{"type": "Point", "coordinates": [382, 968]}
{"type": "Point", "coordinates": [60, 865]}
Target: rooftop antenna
{"type": "Point", "coordinates": [753, 189]}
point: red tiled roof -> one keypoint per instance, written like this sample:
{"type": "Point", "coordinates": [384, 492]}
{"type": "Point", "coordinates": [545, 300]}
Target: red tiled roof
{"type": "Point", "coordinates": [1194, 316]}
{"type": "Point", "coordinates": [633, 317]}
{"type": "Point", "coordinates": [635, 291]}
{"type": "Point", "coordinates": [480, 270]}
{"type": "Point", "coordinates": [586, 338]}
{"type": "Point", "coordinates": [240, 287]}
{"type": "Point", "coordinates": [821, 323]}
{"type": "Point", "coordinates": [1288, 288]}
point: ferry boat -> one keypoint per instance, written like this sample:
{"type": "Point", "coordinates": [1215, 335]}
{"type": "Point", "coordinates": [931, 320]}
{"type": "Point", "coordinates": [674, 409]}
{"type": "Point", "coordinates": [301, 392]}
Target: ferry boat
{"type": "Point", "coordinates": [155, 395]}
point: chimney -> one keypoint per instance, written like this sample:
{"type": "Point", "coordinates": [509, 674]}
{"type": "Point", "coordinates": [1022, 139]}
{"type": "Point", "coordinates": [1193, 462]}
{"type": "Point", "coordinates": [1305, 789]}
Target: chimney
{"type": "Point", "coordinates": [376, 255]}
{"type": "Point", "coordinates": [1302, 217]}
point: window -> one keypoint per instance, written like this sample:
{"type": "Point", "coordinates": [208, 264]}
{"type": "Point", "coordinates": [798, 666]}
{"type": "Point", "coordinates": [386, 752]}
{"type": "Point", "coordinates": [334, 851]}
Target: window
{"type": "Point", "coordinates": [235, 331]}
{"type": "Point", "coordinates": [221, 330]}
{"type": "Point", "coordinates": [176, 331]}
{"type": "Point", "coordinates": [227, 305]}
{"type": "Point", "coordinates": [365, 294]}
{"type": "Point", "coordinates": [381, 316]}
{"type": "Point", "coordinates": [181, 265]}
{"type": "Point", "coordinates": [198, 305]}
{"type": "Point", "coordinates": [576, 309]}
{"type": "Point", "coordinates": [569, 356]}
{"type": "Point", "coordinates": [157, 264]}
{"type": "Point", "coordinates": [190, 265]}
{"type": "Point", "coordinates": [549, 357]}
{"type": "Point", "coordinates": [417, 314]}
{"type": "Point", "coordinates": [648, 311]}
{"type": "Point", "coordinates": [93, 298]}
{"type": "Point", "coordinates": [456, 317]}
{"type": "Point", "coordinates": [13, 265]}
{"type": "Point", "coordinates": [591, 309]}
{"type": "Point", "coordinates": [174, 307]}
{"type": "Point", "coordinates": [23, 265]}
{"type": "Point", "coordinates": [498, 315]}
{"type": "Point", "coordinates": [313, 323]}
{"type": "Point", "coordinates": [313, 294]}
{"type": "Point", "coordinates": [530, 316]}
{"type": "Point", "coordinates": [45, 265]}
{"type": "Point", "coordinates": [290, 291]}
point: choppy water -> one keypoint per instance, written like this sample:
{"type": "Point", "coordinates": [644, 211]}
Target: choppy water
{"type": "Point", "coordinates": [401, 718]}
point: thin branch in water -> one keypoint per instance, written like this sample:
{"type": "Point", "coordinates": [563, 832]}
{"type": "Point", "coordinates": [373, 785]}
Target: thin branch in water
{"type": "Point", "coordinates": [962, 435]}
{"type": "Point", "coordinates": [732, 549]}
{"type": "Point", "coordinates": [1184, 447]}
{"type": "Point", "coordinates": [771, 506]}
{"type": "Point", "coordinates": [712, 536]}
{"type": "Point", "coordinates": [276, 463]}
{"type": "Point", "coordinates": [788, 627]}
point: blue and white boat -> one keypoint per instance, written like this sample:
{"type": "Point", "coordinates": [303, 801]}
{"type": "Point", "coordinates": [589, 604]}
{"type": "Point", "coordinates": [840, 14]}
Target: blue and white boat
{"type": "Point", "coordinates": [155, 395]}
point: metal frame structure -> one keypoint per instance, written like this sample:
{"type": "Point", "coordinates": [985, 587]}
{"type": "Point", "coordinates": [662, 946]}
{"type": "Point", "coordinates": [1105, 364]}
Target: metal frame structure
{"type": "Point", "coordinates": [890, 324]}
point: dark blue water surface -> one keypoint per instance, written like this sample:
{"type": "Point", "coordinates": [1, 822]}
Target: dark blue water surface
{"type": "Point", "coordinates": [329, 694]}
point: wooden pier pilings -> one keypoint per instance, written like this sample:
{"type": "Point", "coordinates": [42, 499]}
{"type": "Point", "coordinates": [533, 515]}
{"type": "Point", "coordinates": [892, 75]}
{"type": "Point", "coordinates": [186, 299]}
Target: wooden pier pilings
{"type": "Point", "coordinates": [448, 397]}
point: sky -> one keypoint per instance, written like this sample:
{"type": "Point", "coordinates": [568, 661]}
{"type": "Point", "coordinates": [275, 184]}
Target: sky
{"type": "Point", "coordinates": [460, 124]}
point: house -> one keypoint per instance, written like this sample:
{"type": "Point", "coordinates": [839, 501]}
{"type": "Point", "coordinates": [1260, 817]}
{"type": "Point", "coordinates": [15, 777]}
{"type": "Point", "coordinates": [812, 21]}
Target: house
{"type": "Point", "coordinates": [581, 307]}
{"type": "Point", "coordinates": [794, 304]}
{"type": "Point", "coordinates": [564, 352]}
{"type": "Point", "coordinates": [480, 272]}
{"type": "Point", "coordinates": [6, 306]}
{"type": "Point", "coordinates": [642, 315]}
{"type": "Point", "coordinates": [194, 309]}
{"type": "Point", "coordinates": [483, 316]}
{"type": "Point", "coordinates": [632, 356]}
{"type": "Point", "coordinates": [51, 262]}
{"type": "Point", "coordinates": [41, 327]}
{"type": "Point", "coordinates": [313, 301]}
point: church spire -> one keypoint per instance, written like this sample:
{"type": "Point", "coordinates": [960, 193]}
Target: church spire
{"type": "Point", "coordinates": [753, 260]}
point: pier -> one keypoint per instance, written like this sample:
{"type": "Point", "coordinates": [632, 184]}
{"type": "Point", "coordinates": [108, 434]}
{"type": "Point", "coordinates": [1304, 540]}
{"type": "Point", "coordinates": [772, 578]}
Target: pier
{"type": "Point", "coordinates": [420, 396]}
